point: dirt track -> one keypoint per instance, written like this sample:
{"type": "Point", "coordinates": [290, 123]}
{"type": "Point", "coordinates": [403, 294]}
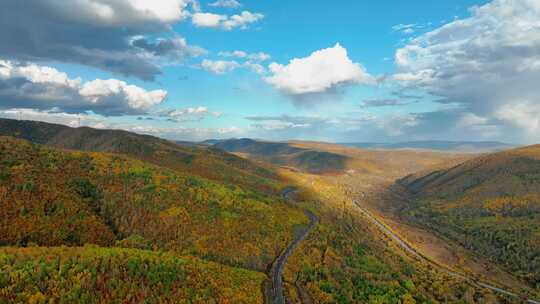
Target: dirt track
{"type": "Point", "coordinates": [409, 249]}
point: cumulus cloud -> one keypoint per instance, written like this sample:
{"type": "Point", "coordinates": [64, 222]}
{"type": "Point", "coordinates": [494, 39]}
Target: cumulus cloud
{"type": "Point", "coordinates": [96, 33]}
{"type": "Point", "coordinates": [45, 88]}
{"type": "Point", "coordinates": [226, 3]}
{"type": "Point", "coordinates": [320, 72]}
{"type": "Point", "coordinates": [488, 64]}
{"type": "Point", "coordinates": [219, 66]}
{"type": "Point", "coordinates": [225, 22]}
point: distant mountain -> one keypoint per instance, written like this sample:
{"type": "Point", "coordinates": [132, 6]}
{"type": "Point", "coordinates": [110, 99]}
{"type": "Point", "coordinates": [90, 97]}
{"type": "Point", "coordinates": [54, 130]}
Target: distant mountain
{"type": "Point", "coordinates": [490, 204]}
{"type": "Point", "coordinates": [286, 154]}
{"type": "Point", "coordinates": [210, 142]}
{"type": "Point", "coordinates": [459, 146]}
{"type": "Point", "coordinates": [194, 159]}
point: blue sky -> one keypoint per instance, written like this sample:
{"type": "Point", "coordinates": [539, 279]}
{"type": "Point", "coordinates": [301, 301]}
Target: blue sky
{"type": "Point", "coordinates": [364, 71]}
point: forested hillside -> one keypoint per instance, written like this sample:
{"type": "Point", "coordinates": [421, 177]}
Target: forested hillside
{"type": "Point", "coordinates": [347, 260]}
{"type": "Point", "coordinates": [92, 274]}
{"type": "Point", "coordinates": [50, 198]}
{"type": "Point", "coordinates": [194, 238]}
{"type": "Point", "coordinates": [200, 161]}
{"type": "Point", "coordinates": [490, 204]}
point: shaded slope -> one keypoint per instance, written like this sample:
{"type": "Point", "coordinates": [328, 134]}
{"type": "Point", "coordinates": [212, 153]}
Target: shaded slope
{"type": "Point", "coordinates": [285, 154]}
{"type": "Point", "coordinates": [490, 204]}
{"type": "Point", "coordinates": [205, 162]}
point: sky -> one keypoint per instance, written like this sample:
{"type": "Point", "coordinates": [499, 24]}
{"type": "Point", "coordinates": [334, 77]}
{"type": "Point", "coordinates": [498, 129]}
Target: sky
{"type": "Point", "coordinates": [340, 71]}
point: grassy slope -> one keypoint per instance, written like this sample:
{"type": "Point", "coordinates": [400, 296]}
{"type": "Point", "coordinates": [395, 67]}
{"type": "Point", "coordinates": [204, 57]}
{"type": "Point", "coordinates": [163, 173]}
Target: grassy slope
{"type": "Point", "coordinates": [490, 204]}
{"type": "Point", "coordinates": [52, 197]}
{"type": "Point", "coordinates": [200, 161]}
{"type": "Point", "coordinates": [111, 275]}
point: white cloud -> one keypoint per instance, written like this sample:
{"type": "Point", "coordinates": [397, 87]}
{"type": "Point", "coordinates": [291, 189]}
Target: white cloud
{"type": "Point", "coordinates": [45, 88]}
{"type": "Point", "coordinates": [525, 115]}
{"type": "Point", "coordinates": [487, 64]}
{"type": "Point", "coordinates": [255, 67]}
{"type": "Point", "coordinates": [242, 20]}
{"type": "Point", "coordinates": [183, 133]}
{"type": "Point", "coordinates": [188, 114]}
{"type": "Point", "coordinates": [237, 54]}
{"type": "Point", "coordinates": [72, 120]}
{"type": "Point", "coordinates": [119, 93]}
{"type": "Point", "coordinates": [219, 66]}
{"type": "Point", "coordinates": [320, 72]}
{"type": "Point", "coordinates": [225, 22]}
{"type": "Point", "coordinates": [226, 3]}
{"type": "Point", "coordinates": [404, 28]}
{"type": "Point", "coordinates": [260, 56]}
{"type": "Point", "coordinates": [207, 19]}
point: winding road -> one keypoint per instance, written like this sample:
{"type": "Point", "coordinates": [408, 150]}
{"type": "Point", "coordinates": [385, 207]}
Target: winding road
{"type": "Point", "coordinates": [276, 272]}
{"type": "Point", "coordinates": [409, 249]}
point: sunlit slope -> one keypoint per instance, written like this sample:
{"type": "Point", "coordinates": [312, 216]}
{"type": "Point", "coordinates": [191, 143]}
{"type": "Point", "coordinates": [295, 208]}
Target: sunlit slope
{"type": "Point", "coordinates": [201, 161]}
{"type": "Point", "coordinates": [51, 197]}
{"type": "Point", "coordinates": [490, 204]}
{"type": "Point", "coordinates": [380, 163]}
{"type": "Point", "coordinates": [347, 260]}
{"type": "Point", "coordinates": [113, 275]}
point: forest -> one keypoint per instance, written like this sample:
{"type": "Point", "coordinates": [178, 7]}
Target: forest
{"type": "Point", "coordinates": [489, 204]}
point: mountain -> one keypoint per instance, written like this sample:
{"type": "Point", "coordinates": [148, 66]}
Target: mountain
{"type": "Point", "coordinates": [286, 154]}
{"type": "Point", "coordinates": [52, 197]}
{"type": "Point", "coordinates": [201, 161]}
{"type": "Point", "coordinates": [490, 204]}
{"type": "Point", "coordinates": [89, 214]}
{"type": "Point", "coordinates": [459, 146]}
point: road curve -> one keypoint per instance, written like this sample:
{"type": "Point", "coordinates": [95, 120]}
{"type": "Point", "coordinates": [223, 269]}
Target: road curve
{"type": "Point", "coordinates": [406, 247]}
{"type": "Point", "coordinates": [276, 272]}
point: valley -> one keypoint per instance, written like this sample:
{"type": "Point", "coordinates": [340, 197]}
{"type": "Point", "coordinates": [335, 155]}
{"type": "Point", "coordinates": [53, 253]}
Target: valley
{"type": "Point", "coordinates": [278, 230]}
{"type": "Point", "coordinates": [269, 152]}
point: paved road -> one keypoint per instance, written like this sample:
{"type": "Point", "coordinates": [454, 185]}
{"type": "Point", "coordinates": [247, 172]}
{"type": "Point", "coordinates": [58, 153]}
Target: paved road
{"type": "Point", "coordinates": [277, 269]}
{"type": "Point", "coordinates": [405, 246]}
